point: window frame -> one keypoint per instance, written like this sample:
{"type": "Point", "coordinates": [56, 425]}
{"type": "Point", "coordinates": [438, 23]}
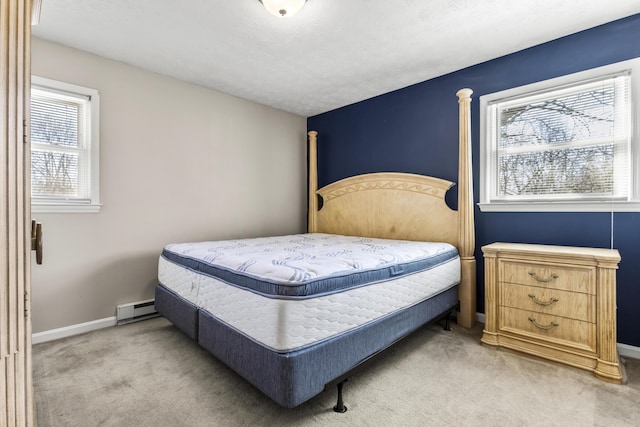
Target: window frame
{"type": "Point", "coordinates": [487, 175]}
{"type": "Point", "coordinates": [55, 205]}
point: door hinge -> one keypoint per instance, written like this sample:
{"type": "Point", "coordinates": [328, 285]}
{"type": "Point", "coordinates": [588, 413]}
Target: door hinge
{"type": "Point", "coordinates": [24, 131]}
{"type": "Point", "coordinates": [26, 305]}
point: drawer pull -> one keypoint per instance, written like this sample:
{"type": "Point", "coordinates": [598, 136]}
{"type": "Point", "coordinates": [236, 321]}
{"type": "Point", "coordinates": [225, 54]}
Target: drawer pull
{"type": "Point", "coordinates": [539, 326]}
{"type": "Point", "coordinates": [539, 279]}
{"type": "Point", "coordinates": [545, 303]}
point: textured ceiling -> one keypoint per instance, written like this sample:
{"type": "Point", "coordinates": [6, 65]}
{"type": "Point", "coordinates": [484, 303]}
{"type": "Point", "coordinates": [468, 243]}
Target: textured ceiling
{"type": "Point", "coordinates": [332, 53]}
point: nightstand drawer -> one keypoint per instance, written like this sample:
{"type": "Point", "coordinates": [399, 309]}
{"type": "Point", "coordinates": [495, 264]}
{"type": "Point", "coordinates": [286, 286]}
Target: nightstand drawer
{"type": "Point", "coordinates": [551, 301]}
{"type": "Point", "coordinates": [558, 330]}
{"type": "Point", "coordinates": [570, 278]}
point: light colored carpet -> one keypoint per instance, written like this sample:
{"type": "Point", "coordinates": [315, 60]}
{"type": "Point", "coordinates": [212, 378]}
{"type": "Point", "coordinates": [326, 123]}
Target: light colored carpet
{"type": "Point", "coordinates": [150, 374]}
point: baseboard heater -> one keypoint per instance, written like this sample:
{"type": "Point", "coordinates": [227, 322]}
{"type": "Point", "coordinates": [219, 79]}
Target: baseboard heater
{"type": "Point", "coordinates": [135, 311]}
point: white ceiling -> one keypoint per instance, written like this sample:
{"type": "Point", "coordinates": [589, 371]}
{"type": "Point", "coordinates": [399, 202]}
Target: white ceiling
{"type": "Point", "coordinates": [332, 53]}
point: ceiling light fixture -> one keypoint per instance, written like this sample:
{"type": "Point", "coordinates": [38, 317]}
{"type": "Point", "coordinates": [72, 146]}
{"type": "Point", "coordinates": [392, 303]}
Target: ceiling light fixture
{"type": "Point", "coordinates": [283, 8]}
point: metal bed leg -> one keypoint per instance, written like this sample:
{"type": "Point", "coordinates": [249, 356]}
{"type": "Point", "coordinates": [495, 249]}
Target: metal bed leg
{"type": "Point", "coordinates": [447, 321]}
{"type": "Point", "coordinates": [340, 405]}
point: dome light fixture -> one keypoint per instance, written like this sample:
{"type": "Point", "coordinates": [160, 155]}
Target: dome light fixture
{"type": "Point", "coordinates": [283, 8]}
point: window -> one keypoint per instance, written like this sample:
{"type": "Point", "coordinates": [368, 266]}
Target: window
{"type": "Point", "coordinates": [563, 144]}
{"type": "Point", "coordinates": [64, 147]}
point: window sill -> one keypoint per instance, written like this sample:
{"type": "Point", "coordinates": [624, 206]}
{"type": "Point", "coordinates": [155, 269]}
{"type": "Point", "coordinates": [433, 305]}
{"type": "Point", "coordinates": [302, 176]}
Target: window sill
{"type": "Point", "coordinates": [630, 206]}
{"type": "Point", "coordinates": [64, 208]}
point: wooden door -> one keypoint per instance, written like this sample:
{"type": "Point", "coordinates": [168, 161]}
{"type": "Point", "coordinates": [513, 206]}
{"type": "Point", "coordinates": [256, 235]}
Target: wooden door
{"type": "Point", "coordinates": [16, 394]}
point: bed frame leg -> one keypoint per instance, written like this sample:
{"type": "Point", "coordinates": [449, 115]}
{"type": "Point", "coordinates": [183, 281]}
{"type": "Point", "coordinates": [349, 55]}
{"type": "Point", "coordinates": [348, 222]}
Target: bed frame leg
{"type": "Point", "coordinates": [340, 405]}
{"type": "Point", "coordinates": [447, 321]}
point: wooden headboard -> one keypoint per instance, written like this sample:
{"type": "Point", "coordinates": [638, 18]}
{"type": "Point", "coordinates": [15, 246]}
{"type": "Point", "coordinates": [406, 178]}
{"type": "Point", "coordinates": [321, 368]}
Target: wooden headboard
{"type": "Point", "coordinates": [404, 206]}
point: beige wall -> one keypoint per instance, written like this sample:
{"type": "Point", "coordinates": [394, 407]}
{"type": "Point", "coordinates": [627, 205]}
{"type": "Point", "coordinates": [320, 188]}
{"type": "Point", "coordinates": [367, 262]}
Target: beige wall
{"type": "Point", "coordinates": [178, 163]}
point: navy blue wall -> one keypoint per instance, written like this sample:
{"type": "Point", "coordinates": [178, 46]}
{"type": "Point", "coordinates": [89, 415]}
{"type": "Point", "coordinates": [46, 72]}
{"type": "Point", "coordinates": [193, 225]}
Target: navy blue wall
{"type": "Point", "coordinates": [415, 129]}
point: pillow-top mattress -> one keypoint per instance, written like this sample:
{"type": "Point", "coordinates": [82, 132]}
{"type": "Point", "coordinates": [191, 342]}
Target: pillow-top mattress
{"type": "Point", "coordinates": [306, 265]}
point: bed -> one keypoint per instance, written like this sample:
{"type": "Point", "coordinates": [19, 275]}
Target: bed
{"type": "Point", "coordinates": [383, 255]}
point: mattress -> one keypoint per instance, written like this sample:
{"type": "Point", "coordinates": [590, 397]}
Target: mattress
{"type": "Point", "coordinates": [289, 293]}
{"type": "Point", "coordinates": [307, 264]}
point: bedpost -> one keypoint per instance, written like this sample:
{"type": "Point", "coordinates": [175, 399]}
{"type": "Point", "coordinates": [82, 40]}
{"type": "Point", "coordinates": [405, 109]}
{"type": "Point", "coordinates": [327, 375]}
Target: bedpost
{"type": "Point", "coordinates": [466, 229]}
{"type": "Point", "coordinates": [312, 226]}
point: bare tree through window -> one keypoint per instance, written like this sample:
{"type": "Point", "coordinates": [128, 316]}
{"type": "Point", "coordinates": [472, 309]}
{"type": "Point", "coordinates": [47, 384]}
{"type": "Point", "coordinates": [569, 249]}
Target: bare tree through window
{"type": "Point", "coordinates": [54, 135]}
{"type": "Point", "coordinates": [561, 145]}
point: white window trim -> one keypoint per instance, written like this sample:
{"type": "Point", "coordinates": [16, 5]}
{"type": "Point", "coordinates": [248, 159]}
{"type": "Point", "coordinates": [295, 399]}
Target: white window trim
{"type": "Point", "coordinates": [70, 206]}
{"type": "Point", "coordinates": [632, 205]}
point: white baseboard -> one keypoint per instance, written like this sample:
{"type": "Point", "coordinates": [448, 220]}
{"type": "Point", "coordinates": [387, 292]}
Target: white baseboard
{"type": "Point", "coordinates": [67, 331]}
{"type": "Point", "coordinates": [629, 351]}
{"type": "Point", "coordinates": [624, 350]}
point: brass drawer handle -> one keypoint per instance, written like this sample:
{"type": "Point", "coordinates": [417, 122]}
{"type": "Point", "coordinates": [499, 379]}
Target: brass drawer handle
{"type": "Point", "coordinates": [545, 303]}
{"type": "Point", "coordinates": [539, 279]}
{"type": "Point", "coordinates": [539, 326]}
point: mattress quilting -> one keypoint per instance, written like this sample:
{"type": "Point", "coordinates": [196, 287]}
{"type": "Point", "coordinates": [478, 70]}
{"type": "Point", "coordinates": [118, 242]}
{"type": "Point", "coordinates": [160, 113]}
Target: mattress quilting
{"type": "Point", "coordinates": [306, 265]}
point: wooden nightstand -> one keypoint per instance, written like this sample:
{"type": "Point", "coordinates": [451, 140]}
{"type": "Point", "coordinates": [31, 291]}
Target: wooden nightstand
{"type": "Point", "coordinates": [555, 302]}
